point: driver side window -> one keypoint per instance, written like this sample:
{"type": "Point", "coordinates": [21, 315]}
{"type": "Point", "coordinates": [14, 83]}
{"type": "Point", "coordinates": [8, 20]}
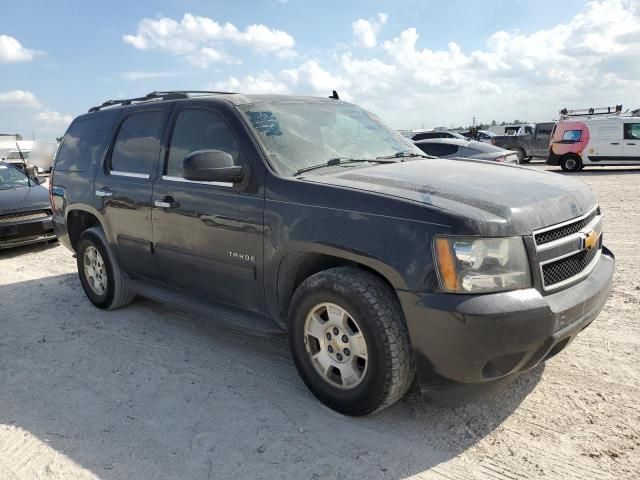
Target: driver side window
{"type": "Point", "coordinates": [199, 129]}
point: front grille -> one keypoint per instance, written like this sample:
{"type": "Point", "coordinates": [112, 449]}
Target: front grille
{"type": "Point", "coordinates": [564, 230]}
{"type": "Point", "coordinates": [25, 216]}
{"type": "Point", "coordinates": [568, 267]}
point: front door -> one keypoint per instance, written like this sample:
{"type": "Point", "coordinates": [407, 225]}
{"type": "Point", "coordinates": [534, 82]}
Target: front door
{"type": "Point", "coordinates": [208, 235]}
{"type": "Point", "coordinates": [123, 189]}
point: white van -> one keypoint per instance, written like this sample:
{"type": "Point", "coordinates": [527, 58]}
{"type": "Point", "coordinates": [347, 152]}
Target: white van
{"type": "Point", "coordinates": [597, 137]}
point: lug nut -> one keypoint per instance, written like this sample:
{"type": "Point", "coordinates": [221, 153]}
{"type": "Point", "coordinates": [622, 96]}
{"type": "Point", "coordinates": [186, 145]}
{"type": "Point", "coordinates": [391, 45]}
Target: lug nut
{"type": "Point", "coordinates": [328, 336]}
{"type": "Point", "coordinates": [336, 331]}
{"type": "Point", "coordinates": [345, 339]}
{"type": "Point", "coordinates": [330, 348]}
{"type": "Point", "coordinates": [339, 357]}
{"type": "Point", "coordinates": [347, 352]}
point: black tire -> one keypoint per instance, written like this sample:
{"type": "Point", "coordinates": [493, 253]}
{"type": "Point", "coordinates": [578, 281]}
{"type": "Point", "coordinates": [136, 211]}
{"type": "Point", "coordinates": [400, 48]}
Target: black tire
{"type": "Point", "coordinates": [571, 163]}
{"type": "Point", "coordinates": [369, 300]}
{"type": "Point", "coordinates": [116, 294]}
{"type": "Point", "coordinates": [521, 155]}
{"type": "Point", "coordinates": [527, 160]}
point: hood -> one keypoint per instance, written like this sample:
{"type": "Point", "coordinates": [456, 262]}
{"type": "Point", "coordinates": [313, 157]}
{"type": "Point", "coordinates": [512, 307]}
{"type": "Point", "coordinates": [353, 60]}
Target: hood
{"type": "Point", "coordinates": [24, 199]}
{"type": "Point", "coordinates": [498, 199]}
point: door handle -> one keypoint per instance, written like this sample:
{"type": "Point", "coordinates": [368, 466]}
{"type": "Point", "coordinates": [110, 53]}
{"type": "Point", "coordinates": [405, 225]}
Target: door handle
{"type": "Point", "coordinates": [104, 192]}
{"type": "Point", "coordinates": [615, 143]}
{"type": "Point", "coordinates": [630, 143]}
{"type": "Point", "coordinates": [166, 202]}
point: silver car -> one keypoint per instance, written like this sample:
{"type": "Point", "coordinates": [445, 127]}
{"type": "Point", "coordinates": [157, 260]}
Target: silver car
{"type": "Point", "coordinates": [457, 148]}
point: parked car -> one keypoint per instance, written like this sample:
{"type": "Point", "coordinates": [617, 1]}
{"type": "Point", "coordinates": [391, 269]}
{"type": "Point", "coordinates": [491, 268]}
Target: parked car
{"type": "Point", "coordinates": [531, 141]}
{"type": "Point", "coordinates": [425, 135]}
{"type": "Point", "coordinates": [25, 216]}
{"type": "Point", "coordinates": [456, 148]}
{"type": "Point", "coordinates": [17, 153]}
{"type": "Point", "coordinates": [595, 137]}
{"type": "Point", "coordinates": [309, 214]}
{"type": "Point", "coordinates": [483, 136]}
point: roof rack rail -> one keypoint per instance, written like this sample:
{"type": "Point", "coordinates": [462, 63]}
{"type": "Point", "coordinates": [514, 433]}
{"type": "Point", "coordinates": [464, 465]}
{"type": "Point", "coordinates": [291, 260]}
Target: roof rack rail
{"type": "Point", "coordinates": [157, 95]}
{"type": "Point", "coordinates": [591, 111]}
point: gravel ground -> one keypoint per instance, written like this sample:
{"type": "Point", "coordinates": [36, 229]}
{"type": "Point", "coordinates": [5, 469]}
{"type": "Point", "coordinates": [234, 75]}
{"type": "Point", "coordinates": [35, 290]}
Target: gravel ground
{"type": "Point", "coordinates": [148, 392]}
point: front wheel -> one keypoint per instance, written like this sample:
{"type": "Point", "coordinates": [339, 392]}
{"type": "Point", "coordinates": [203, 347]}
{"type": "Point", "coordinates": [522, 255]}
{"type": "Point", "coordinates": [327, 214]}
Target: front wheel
{"type": "Point", "coordinates": [571, 163]}
{"type": "Point", "coordinates": [349, 341]}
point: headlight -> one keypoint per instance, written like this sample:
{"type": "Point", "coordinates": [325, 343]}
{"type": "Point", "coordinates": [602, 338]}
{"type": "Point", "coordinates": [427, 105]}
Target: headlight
{"type": "Point", "coordinates": [481, 265]}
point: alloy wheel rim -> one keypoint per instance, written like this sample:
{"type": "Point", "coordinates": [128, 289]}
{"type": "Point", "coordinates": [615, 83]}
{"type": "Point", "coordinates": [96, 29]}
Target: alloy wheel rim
{"type": "Point", "coordinates": [336, 346]}
{"type": "Point", "coordinates": [94, 270]}
{"type": "Point", "coordinates": [571, 164]}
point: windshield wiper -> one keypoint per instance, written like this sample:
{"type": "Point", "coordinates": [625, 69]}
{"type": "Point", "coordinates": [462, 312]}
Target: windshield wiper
{"type": "Point", "coordinates": [404, 154]}
{"type": "Point", "coordinates": [342, 161]}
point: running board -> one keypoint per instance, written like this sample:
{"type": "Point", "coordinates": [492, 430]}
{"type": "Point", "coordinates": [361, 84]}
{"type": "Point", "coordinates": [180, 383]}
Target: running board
{"type": "Point", "coordinates": [232, 318]}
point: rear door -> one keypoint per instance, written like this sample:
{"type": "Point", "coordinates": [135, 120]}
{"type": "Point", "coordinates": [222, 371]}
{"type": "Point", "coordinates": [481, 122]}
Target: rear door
{"type": "Point", "coordinates": [209, 235]}
{"type": "Point", "coordinates": [123, 188]}
{"type": "Point", "coordinates": [631, 148]}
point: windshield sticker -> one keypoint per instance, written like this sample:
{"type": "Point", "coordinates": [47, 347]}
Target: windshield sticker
{"type": "Point", "coordinates": [265, 122]}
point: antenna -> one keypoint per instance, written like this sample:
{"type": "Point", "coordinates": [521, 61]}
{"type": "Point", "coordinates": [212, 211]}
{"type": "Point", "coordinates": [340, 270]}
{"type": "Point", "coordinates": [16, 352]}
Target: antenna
{"type": "Point", "coordinates": [334, 95]}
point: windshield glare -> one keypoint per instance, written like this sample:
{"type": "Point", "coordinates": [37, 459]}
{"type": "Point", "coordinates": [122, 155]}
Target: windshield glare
{"type": "Point", "coordinates": [12, 178]}
{"type": "Point", "coordinates": [304, 133]}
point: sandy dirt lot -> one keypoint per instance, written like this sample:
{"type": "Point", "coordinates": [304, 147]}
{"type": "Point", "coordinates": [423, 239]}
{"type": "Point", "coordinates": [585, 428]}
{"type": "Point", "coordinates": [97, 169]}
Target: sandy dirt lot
{"type": "Point", "coordinates": [148, 392]}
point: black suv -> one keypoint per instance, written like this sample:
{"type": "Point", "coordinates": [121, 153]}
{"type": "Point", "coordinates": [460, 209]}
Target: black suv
{"type": "Point", "coordinates": [380, 262]}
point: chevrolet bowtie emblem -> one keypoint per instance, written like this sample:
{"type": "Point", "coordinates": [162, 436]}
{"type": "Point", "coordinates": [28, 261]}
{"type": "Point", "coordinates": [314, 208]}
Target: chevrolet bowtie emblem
{"type": "Point", "coordinates": [590, 240]}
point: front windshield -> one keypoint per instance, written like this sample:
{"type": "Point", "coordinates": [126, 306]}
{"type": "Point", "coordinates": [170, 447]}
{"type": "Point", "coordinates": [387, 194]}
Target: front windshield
{"type": "Point", "coordinates": [302, 133]}
{"type": "Point", "coordinates": [12, 178]}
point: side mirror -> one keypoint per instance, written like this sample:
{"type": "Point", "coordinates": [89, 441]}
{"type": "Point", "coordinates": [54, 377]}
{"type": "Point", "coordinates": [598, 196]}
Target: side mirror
{"type": "Point", "coordinates": [211, 166]}
{"type": "Point", "coordinates": [41, 179]}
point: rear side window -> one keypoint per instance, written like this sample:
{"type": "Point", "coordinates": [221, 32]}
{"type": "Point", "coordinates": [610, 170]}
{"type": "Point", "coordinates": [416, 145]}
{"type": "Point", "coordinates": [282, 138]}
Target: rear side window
{"type": "Point", "coordinates": [197, 129]}
{"type": "Point", "coordinates": [138, 143]}
{"type": "Point", "coordinates": [572, 136]}
{"type": "Point", "coordinates": [438, 149]}
{"type": "Point", "coordinates": [84, 143]}
{"type": "Point", "coordinates": [632, 131]}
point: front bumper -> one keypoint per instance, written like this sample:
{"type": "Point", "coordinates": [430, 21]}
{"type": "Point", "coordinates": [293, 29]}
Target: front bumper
{"type": "Point", "coordinates": [17, 233]}
{"type": "Point", "coordinates": [467, 345]}
{"type": "Point", "coordinates": [553, 158]}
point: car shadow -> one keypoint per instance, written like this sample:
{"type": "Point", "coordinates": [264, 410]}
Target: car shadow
{"type": "Point", "coordinates": [148, 392]}
{"type": "Point", "coordinates": [589, 171]}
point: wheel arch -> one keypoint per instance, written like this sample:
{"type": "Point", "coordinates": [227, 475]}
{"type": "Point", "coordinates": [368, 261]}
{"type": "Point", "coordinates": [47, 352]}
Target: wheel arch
{"type": "Point", "coordinates": [78, 220]}
{"type": "Point", "coordinates": [300, 263]}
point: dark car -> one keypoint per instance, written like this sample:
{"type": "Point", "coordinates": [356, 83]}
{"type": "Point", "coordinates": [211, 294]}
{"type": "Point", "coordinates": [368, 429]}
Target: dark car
{"type": "Point", "coordinates": [309, 214]}
{"type": "Point", "coordinates": [25, 215]}
{"type": "Point", "coordinates": [456, 148]}
{"type": "Point", "coordinates": [532, 141]}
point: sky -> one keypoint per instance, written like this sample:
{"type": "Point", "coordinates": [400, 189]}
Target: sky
{"type": "Point", "coordinates": [414, 63]}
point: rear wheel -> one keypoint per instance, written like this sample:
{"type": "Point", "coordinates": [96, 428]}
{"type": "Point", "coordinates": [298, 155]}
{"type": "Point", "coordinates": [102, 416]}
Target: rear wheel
{"type": "Point", "coordinates": [521, 155]}
{"type": "Point", "coordinates": [571, 163]}
{"type": "Point", "coordinates": [349, 341]}
{"type": "Point", "coordinates": [101, 278]}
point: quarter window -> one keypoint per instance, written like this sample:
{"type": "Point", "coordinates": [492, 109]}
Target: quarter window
{"type": "Point", "coordinates": [632, 131]}
{"type": "Point", "coordinates": [138, 143]}
{"type": "Point", "coordinates": [84, 143]}
{"type": "Point", "coordinates": [199, 129]}
{"type": "Point", "coordinates": [572, 136]}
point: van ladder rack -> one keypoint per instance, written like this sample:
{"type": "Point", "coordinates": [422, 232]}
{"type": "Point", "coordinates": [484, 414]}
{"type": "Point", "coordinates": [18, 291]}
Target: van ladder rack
{"type": "Point", "coordinates": [168, 95]}
{"type": "Point", "coordinates": [591, 111]}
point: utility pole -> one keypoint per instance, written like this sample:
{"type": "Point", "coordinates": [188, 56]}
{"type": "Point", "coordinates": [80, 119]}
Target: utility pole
{"type": "Point", "coordinates": [474, 120]}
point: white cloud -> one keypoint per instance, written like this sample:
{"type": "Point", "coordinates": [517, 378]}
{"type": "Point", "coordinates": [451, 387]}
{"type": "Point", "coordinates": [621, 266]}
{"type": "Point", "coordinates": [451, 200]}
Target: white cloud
{"type": "Point", "coordinates": [262, 83]}
{"type": "Point", "coordinates": [149, 75]}
{"type": "Point", "coordinates": [50, 120]}
{"type": "Point", "coordinates": [19, 98]}
{"type": "Point", "coordinates": [366, 32]}
{"type": "Point", "coordinates": [205, 41]}
{"type": "Point", "coordinates": [11, 51]}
